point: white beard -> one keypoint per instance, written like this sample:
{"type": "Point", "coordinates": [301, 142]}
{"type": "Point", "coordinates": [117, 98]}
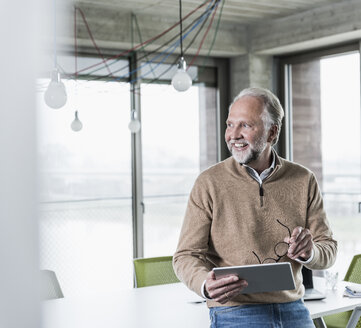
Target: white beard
{"type": "Point", "coordinates": [252, 153]}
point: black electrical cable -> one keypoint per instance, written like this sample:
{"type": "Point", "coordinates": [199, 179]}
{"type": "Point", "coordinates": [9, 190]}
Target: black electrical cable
{"type": "Point", "coordinates": [175, 61]}
{"type": "Point", "coordinates": [180, 25]}
{"type": "Point", "coordinates": [207, 12]}
{"type": "Point", "coordinates": [146, 42]}
{"type": "Point", "coordinates": [155, 50]}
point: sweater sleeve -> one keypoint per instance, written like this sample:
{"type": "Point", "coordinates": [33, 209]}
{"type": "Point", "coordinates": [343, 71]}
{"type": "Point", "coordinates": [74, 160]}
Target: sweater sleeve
{"type": "Point", "coordinates": [190, 262]}
{"type": "Point", "coordinates": [325, 247]}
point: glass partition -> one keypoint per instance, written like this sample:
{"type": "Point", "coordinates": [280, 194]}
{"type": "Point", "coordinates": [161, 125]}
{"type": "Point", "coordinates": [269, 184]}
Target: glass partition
{"type": "Point", "coordinates": [86, 218]}
{"type": "Point", "coordinates": [170, 144]}
{"type": "Point", "coordinates": [340, 112]}
{"type": "Point", "coordinates": [324, 115]}
{"type": "Point", "coordinates": [87, 226]}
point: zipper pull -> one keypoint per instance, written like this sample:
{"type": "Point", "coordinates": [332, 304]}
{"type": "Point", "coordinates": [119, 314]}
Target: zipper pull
{"type": "Point", "coordinates": [261, 194]}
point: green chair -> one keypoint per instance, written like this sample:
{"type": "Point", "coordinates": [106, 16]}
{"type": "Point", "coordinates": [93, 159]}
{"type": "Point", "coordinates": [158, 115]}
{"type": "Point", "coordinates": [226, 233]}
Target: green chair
{"type": "Point", "coordinates": [353, 274]}
{"type": "Point", "coordinates": [154, 271]}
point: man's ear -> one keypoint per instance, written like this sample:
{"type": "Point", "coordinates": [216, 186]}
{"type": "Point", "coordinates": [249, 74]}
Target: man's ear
{"type": "Point", "coordinates": [272, 133]}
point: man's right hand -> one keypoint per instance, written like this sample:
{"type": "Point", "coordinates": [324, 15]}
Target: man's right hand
{"type": "Point", "coordinates": [225, 288]}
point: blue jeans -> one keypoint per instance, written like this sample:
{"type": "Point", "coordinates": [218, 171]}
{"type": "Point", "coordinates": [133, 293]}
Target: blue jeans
{"type": "Point", "coordinates": [276, 315]}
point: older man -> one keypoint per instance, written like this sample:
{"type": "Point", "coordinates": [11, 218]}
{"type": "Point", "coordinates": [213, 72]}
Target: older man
{"type": "Point", "coordinates": [240, 209]}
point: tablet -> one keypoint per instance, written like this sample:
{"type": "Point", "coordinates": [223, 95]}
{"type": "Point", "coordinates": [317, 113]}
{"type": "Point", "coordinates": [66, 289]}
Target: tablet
{"type": "Point", "coordinates": [262, 277]}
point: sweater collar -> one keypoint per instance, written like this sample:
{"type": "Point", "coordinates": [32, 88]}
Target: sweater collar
{"type": "Point", "coordinates": [264, 174]}
{"type": "Point", "coordinates": [234, 166]}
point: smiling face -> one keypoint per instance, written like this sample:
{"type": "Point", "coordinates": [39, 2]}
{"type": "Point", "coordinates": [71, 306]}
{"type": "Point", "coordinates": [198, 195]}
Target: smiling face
{"type": "Point", "coordinates": [246, 135]}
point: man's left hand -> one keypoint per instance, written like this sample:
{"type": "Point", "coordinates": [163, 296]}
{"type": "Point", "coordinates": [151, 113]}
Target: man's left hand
{"type": "Point", "coordinates": [301, 244]}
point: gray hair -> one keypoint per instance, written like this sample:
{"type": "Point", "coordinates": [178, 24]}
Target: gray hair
{"type": "Point", "coordinates": [271, 104]}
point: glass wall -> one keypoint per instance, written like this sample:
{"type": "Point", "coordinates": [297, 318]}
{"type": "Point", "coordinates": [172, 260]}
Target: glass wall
{"type": "Point", "coordinates": [86, 219]}
{"type": "Point", "coordinates": [170, 145]}
{"type": "Point", "coordinates": [340, 113]}
{"type": "Point", "coordinates": [324, 115]}
{"type": "Point", "coordinates": [86, 223]}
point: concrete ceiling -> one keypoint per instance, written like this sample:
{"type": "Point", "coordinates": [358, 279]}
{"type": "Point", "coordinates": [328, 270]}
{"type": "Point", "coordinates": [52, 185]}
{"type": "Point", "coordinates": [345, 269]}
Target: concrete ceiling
{"type": "Point", "coordinates": [234, 11]}
{"type": "Point", "coordinates": [247, 26]}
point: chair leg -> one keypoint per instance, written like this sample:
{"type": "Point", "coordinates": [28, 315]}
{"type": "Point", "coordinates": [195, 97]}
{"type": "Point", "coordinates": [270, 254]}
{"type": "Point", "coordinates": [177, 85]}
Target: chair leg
{"type": "Point", "coordinates": [319, 323]}
{"type": "Point", "coordinates": [355, 316]}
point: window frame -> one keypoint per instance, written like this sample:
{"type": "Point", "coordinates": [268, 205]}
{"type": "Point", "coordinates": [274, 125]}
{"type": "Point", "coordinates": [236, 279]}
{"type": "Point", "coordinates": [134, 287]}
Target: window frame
{"type": "Point", "coordinates": [220, 80]}
{"type": "Point", "coordinates": [284, 79]}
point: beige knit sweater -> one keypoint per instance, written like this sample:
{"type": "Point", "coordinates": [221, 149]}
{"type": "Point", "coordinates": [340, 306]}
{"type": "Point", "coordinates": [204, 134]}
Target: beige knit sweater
{"type": "Point", "coordinates": [227, 219]}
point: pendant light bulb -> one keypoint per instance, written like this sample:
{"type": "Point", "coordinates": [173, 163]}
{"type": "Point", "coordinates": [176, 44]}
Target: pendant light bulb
{"type": "Point", "coordinates": [181, 81]}
{"type": "Point", "coordinates": [55, 95]}
{"type": "Point", "coordinates": [134, 124]}
{"type": "Point", "coordinates": [76, 125]}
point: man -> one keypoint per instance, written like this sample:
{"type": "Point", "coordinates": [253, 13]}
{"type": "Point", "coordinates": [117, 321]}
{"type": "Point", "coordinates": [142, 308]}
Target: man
{"type": "Point", "coordinates": [244, 208]}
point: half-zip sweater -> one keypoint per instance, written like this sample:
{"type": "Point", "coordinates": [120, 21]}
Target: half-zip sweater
{"type": "Point", "coordinates": [225, 224]}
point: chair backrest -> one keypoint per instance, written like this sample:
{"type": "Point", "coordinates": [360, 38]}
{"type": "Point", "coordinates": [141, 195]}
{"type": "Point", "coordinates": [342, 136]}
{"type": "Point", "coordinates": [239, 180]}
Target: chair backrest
{"type": "Point", "coordinates": [154, 271]}
{"type": "Point", "coordinates": [353, 273]}
{"type": "Point", "coordinates": [50, 288]}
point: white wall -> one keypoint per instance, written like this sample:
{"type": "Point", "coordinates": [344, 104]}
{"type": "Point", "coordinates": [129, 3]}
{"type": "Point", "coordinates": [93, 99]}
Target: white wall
{"type": "Point", "coordinates": [19, 303]}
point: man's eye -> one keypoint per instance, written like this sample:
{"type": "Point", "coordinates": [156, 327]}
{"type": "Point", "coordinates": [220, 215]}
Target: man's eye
{"type": "Point", "coordinates": [229, 125]}
{"type": "Point", "coordinates": [245, 125]}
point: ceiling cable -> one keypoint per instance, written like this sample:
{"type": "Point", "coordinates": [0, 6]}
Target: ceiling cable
{"type": "Point", "coordinates": [166, 55]}
{"type": "Point", "coordinates": [93, 40]}
{"type": "Point", "coordinates": [213, 41]}
{"type": "Point", "coordinates": [213, 6]}
{"type": "Point", "coordinates": [180, 25]}
{"type": "Point", "coordinates": [75, 45]}
{"type": "Point", "coordinates": [145, 42]}
{"type": "Point", "coordinates": [54, 45]}
{"type": "Point", "coordinates": [171, 66]}
{"type": "Point", "coordinates": [204, 37]}
{"type": "Point", "coordinates": [158, 48]}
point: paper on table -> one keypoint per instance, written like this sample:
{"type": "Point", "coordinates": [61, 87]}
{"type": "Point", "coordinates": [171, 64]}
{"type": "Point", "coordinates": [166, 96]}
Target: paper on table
{"type": "Point", "coordinates": [352, 291]}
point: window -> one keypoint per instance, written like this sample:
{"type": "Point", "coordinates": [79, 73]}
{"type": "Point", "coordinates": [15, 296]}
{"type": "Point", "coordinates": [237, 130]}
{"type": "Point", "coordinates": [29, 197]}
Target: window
{"type": "Point", "coordinates": [323, 119]}
{"type": "Point", "coordinates": [340, 117]}
{"type": "Point", "coordinates": [86, 219]}
{"type": "Point", "coordinates": [86, 224]}
{"type": "Point", "coordinates": [170, 145]}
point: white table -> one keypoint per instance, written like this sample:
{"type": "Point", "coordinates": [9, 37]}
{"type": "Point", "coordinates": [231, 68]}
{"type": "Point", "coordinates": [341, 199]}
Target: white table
{"type": "Point", "coordinates": [334, 303]}
{"type": "Point", "coordinates": [151, 307]}
{"type": "Point", "coordinates": [157, 307]}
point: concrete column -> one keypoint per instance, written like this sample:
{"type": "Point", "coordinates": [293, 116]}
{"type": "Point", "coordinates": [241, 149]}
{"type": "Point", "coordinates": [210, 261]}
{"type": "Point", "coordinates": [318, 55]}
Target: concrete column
{"type": "Point", "coordinates": [208, 126]}
{"type": "Point", "coordinates": [250, 70]}
{"type": "Point", "coordinates": [306, 111]}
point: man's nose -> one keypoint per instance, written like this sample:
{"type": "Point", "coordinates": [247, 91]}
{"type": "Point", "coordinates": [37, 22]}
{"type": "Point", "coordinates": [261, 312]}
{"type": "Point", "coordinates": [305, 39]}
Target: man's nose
{"type": "Point", "coordinates": [236, 133]}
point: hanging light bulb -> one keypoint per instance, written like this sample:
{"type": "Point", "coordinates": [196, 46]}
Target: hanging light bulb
{"type": "Point", "coordinates": [134, 124]}
{"type": "Point", "coordinates": [76, 125]}
{"type": "Point", "coordinates": [55, 95]}
{"type": "Point", "coordinates": [181, 81]}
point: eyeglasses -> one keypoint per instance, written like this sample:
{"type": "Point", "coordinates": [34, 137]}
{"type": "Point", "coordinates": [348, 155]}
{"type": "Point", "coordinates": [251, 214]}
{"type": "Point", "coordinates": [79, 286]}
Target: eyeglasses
{"type": "Point", "coordinates": [280, 249]}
